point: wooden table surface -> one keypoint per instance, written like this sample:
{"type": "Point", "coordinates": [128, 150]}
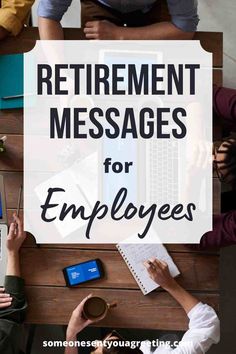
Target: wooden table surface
{"type": "Point", "coordinates": [49, 300]}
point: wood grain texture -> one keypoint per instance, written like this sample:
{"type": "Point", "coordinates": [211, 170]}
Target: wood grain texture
{"type": "Point", "coordinates": [11, 121]}
{"type": "Point", "coordinates": [216, 196]}
{"type": "Point", "coordinates": [25, 41]}
{"type": "Point", "coordinates": [12, 158]}
{"type": "Point", "coordinates": [218, 77]}
{"type": "Point", "coordinates": [12, 181]}
{"type": "Point", "coordinates": [111, 247]}
{"type": "Point", "coordinates": [212, 42]}
{"type": "Point", "coordinates": [157, 310]}
{"type": "Point", "coordinates": [198, 272]}
{"type": "Point", "coordinates": [174, 248]}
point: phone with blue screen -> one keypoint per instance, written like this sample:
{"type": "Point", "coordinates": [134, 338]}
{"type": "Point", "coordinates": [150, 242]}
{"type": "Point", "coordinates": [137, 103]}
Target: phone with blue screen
{"type": "Point", "coordinates": [83, 272]}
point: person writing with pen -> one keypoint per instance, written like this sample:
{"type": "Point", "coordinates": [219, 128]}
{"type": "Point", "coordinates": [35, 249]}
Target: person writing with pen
{"type": "Point", "coordinates": [203, 329]}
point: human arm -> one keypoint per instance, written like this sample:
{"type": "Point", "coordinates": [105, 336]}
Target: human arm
{"type": "Point", "coordinates": [13, 15]}
{"type": "Point", "coordinates": [160, 274]}
{"type": "Point", "coordinates": [14, 284]}
{"type": "Point", "coordinates": [204, 327]}
{"type": "Point", "coordinates": [50, 13]}
{"type": "Point", "coordinates": [107, 30]}
{"type": "Point", "coordinates": [50, 29]}
{"type": "Point", "coordinates": [183, 24]}
{"type": "Point", "coordinates": [15, 238]}
{"type": "Point", "coordinates": [76, 324]}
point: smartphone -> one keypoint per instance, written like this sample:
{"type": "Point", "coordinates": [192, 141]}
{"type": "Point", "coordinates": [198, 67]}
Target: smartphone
{"type": "Point", "coordinates": [83, 272]}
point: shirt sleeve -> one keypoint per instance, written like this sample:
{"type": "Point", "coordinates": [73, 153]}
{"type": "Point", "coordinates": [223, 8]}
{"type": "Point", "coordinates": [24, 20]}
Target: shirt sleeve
{"type": "Point", "coordinates": [204, 330]}
{"type": "Point", "coordinates": [16, 312]}
{"type": "Point", "coordinates": [13, 14]}
{"type": "Point", "coordinates": [223, 233]}
{"type": "Point", "coordinates": [12, 317]}
{"type": "Point", "coordinates": [224, 104]}
{"type": "Point", "coordinates": [184, 14]}
{"type": "Point", "coordinates": [53, 9]}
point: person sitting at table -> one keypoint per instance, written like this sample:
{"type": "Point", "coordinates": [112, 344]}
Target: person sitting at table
{"type": "Point", "coordinates": [12, 297]}
{"type": "Point", "coordinates": [224, 108]}
{"type": "Point", "coordinates": [13, 16]}
{"type": "Point", "coordinates": [204, 325]}
{"type": "Point", "coordinates": [224, 161]}
{"type": "Point", "coordinates": [106, 19]}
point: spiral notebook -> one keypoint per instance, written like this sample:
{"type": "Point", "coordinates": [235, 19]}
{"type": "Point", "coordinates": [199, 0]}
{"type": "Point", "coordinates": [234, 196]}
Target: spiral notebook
{"type": "Point", "coordinates": [135, 254]}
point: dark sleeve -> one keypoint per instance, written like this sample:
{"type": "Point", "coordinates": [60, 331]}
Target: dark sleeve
{"type": "Point", "coordinates": [16, 312]}
{"type": "Point", "coordinates": [224, 104]}
{"type": "Point", "coordinates": [223, 234]}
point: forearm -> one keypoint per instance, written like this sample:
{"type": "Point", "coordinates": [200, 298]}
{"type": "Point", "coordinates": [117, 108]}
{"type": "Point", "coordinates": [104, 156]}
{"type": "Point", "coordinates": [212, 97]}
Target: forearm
{"type": "Point", "coordinates": [13, 264]}
{"type": "Point", "coordinates": [50, 29]}
{"type": "Point", "coordinates": [162, 30]}
{"type": "Point", "coordinates": [184, 298]}
{"type": "Point", "coordinates": [71, 350]}
{"type": "Point", "coordinates": [71, 338]}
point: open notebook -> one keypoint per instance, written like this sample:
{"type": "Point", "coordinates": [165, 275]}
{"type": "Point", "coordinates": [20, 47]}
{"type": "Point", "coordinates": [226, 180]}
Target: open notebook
{"type": "Point", "coordinates": [134, 256]}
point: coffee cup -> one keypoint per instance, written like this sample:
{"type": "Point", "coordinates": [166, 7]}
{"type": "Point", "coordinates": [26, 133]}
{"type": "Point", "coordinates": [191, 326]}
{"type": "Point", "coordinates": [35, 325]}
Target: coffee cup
{"type": "Point", "coordinates": [96, 308]}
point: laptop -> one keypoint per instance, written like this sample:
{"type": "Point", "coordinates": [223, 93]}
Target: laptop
{"type": "Point", "coordinates": [3, 232]}
{"type": "Point", "coordinates": [130, 149]}
{"type": "Point", "coordinates": [163, 171]}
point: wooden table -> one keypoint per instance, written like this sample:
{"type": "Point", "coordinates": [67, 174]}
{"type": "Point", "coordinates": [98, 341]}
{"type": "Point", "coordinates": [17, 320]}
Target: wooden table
{"type": "Point", "coordinates": [49, 300]}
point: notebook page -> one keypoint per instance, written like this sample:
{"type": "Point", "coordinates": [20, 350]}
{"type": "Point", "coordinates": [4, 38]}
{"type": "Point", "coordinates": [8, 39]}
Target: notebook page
{"type": "Point", "coordinates": [136, 254]}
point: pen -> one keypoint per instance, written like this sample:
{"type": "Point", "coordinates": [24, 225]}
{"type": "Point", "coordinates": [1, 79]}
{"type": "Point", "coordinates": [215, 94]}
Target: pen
{"type": "Point", "coordinates": [19, 200]}
{"type": "Point", "coordinates": [12, 97]}
{"type": "Point", "coordinates": [17, 96]}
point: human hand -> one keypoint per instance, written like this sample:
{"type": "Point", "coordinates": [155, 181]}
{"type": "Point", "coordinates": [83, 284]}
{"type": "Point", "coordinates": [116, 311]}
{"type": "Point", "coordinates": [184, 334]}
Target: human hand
{"type": "Point", "coordinates": [101, 30]}
{"type": "Point", "coordinates": [224, 159]}
{"type": "Point", "coordinates": [159, 273]}
{"type": "Point", "coordinates": [77, 322]}
{"type": "Point", "coordinates": [16, 236]}
{"type": "Point", "coordinates": [5, 299]}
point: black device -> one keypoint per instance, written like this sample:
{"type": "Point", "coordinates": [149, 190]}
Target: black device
{"type": "Point", "coordinates": [80, 273]}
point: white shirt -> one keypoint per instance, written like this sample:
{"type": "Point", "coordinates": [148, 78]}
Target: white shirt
{"type": "Point", "coordinates": [204, 330]}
